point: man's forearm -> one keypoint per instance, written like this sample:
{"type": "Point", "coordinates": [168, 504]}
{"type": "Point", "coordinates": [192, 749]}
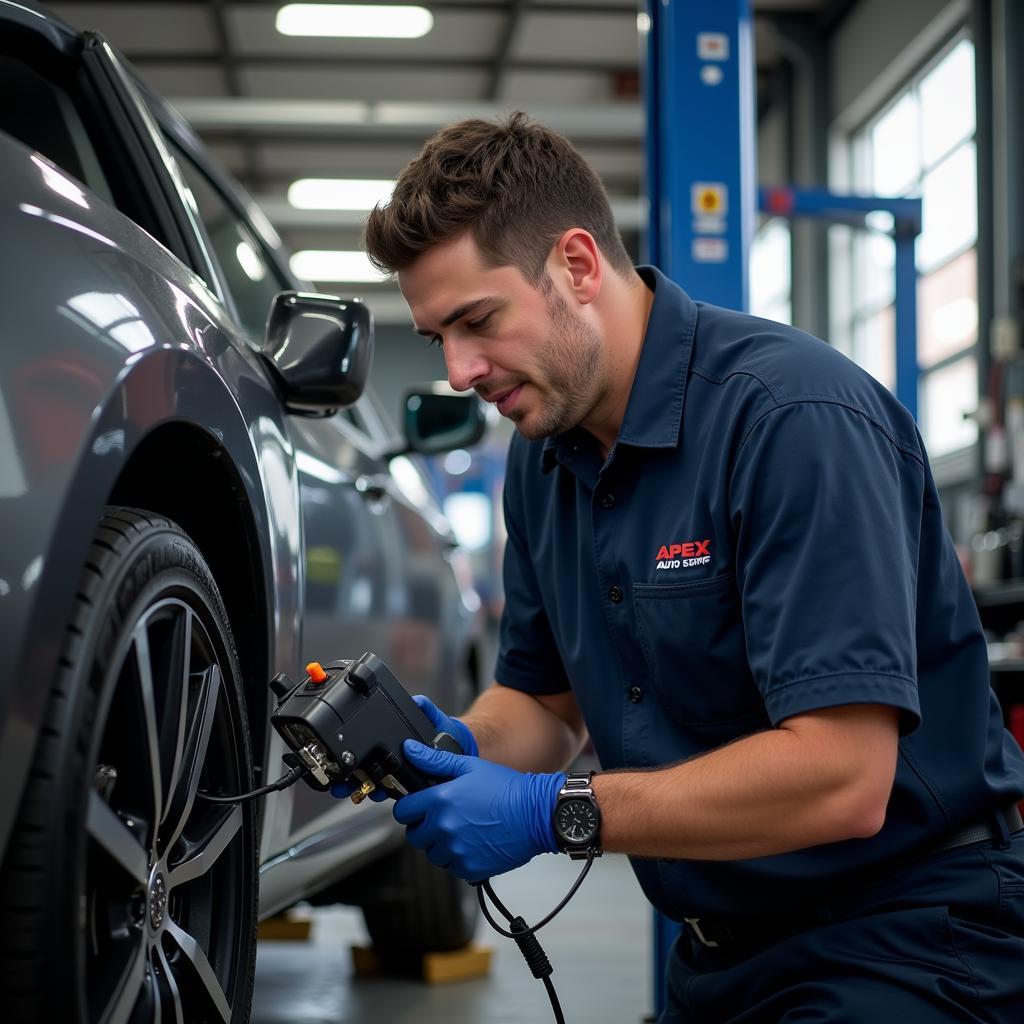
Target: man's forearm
{"type": "Point", "coordinates": [514, 729]}
{"type": "Point", "coordinates": [768, 793]}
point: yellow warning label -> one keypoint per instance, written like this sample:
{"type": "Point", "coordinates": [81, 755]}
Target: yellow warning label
{"type": "Point", "coordinates": [709, 198]}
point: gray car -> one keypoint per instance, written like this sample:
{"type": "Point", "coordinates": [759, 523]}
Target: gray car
{"type": "Point", "coordinates": [196, 493]}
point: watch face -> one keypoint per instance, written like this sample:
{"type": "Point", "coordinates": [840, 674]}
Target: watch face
{"type": "Point", "coordinates": [576, 821]}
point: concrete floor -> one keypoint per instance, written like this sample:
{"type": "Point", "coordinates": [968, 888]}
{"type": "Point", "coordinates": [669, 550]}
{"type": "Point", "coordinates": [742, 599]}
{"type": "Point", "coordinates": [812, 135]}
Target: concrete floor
{"type": "Point", "coordinates": [599, 946]}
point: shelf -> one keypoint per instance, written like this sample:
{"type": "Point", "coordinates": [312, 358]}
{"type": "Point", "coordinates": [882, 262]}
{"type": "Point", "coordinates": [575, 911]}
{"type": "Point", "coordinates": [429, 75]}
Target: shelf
{"type": "Point", "coordinates": [995, 594]}
{"type": "Point", "coordinates": [1007, 665]}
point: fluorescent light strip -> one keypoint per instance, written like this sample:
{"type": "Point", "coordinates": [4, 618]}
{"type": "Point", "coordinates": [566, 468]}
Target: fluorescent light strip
{"type": "Point", "coordinates": [339, 193]}
{"type": "Point", "coordinates": [335, 265]}
{"type": "Point", "coordinates": [364, 21]}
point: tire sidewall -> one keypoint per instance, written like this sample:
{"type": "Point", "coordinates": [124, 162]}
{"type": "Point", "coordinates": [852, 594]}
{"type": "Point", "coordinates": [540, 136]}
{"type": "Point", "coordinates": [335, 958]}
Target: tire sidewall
{"type": "Point", "coordinates": [161, 563]}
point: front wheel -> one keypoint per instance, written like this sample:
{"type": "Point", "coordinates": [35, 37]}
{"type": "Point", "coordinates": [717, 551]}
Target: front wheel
{"type": "Point", "coordinates": [126, 897]}
{"type": "Point", "coordinates": [412, 907]}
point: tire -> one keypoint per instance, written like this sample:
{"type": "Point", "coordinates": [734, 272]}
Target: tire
{"type": "Point", "coordinates": [416, 908]}
{"type": "Point", "coordinates": [124, 895]}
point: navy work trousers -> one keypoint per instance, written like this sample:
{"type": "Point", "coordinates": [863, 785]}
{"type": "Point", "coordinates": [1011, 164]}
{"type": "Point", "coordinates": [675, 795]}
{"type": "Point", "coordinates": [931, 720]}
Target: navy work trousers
{"type": "Point", "coordinates": [936, 941]}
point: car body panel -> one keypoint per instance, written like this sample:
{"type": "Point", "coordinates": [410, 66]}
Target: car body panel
{"type": "Point", "coordinates": [116, 339]}
{"type": "Point", "coordinates": [109, 337]}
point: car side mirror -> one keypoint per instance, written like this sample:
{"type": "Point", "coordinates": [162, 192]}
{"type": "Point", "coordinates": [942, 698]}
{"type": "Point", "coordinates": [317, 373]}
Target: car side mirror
{"type": "Point", "coordinates": [436, 419]}
{"type": "Point", "coordinates": [320, 348]}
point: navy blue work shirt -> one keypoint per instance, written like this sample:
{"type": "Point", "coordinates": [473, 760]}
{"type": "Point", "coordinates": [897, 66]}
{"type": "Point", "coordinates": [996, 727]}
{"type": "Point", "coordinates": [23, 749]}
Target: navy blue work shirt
{"type": "Point", "coordinates": [764, 539]}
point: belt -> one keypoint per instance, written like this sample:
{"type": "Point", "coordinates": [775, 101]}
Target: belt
{"type": "Point", "coordinates": [715, 933]}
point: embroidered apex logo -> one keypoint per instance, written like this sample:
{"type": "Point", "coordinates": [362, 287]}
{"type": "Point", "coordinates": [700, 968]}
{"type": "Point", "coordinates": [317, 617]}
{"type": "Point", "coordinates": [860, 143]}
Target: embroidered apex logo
{"type": "Point", "coordinates": [693, 552]}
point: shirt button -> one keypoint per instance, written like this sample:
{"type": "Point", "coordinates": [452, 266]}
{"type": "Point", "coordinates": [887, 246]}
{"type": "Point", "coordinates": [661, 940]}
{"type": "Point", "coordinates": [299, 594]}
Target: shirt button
{"type": "Point", "coordinates": [636, 694]}
{"type": "Point", "coordinates": [607, 500]}
{"type": "Point", "coordinates": [615, 593]}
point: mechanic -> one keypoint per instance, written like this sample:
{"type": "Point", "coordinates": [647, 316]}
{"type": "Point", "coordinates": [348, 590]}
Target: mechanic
{"type": "Point", "coordinates": [802, 753]}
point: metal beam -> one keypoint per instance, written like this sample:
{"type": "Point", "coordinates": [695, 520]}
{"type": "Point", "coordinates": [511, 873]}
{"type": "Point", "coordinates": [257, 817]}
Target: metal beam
{"type": "Point", "coordinates": [228, 60]}
{"type": "Point", "coordinates": [232, 79]}
{"type": "Point", "coordinates": [630, 215]}
{"type": "Point", "coordinates": [504, 48]}
{"type": "Point", "coordinates": [397, 120]}
{"type": "Point", "coordinates": [498, 7]}
{"type": "Point", "coordinates": [419, 62]}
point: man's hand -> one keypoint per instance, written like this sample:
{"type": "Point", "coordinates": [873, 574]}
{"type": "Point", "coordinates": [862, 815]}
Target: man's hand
{"type": "Point", "coordinates": [487, 819]}
{"type": "Point", "coordinates": [442, 723]}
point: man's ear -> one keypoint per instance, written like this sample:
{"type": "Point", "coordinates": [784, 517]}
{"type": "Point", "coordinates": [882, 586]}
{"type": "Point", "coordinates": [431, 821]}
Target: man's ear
{"type": "Point", "coordinates": [577, 260]}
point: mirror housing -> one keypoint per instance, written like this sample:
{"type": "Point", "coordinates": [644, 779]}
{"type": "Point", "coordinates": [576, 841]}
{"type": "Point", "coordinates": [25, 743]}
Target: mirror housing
{"type": "Point", "coordinates": [320, 348]}
{"type": "Point", "coordinates": [437, 419]}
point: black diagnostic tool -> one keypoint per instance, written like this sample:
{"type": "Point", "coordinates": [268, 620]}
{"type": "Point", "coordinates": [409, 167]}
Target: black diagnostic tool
{"type": "Point", "coordinates": [347, 721]}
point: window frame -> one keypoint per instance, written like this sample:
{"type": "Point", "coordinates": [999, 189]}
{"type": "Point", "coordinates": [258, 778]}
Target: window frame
{"type": "Point", "coordinates": [853, 153]}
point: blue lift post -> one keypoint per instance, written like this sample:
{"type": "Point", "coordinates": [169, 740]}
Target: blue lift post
{"type": "Point", "coordinates": [701, 181]}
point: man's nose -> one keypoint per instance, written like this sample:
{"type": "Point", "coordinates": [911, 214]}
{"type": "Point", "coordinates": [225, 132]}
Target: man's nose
{"type": "Point", "coordinates": [465, 362]}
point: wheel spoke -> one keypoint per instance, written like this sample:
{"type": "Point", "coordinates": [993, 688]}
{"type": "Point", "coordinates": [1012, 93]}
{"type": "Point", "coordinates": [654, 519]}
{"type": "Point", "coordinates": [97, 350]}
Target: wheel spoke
{"type": "Point", "coordinates": [205, 855]}
{"type": "Point", "coordinates": [115, 838]}
{"type": "Point", "coordinates": [197, 740]}
{"type": "Point", "coordinates": [196, 957]}
{"type": "Point", "coordinates": [153, 1013]}
{"type": "Point", "coordinates": [128, 988]}
{"type": "Point", "coordinates": [170, 994]}
{"type": "Point", "coordinates": [144, 669]}
{"type": "Point", "coordinates": [175, 732]}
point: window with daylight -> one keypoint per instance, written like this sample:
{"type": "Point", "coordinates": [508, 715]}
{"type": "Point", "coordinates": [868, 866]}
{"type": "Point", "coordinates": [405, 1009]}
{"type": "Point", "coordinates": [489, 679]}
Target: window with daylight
{"type": "Point", "coordinates": [921, 144]}
{"type": "Point", "coordinates": [771, 272]}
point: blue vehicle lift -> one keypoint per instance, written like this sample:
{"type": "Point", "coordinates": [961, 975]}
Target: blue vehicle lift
{"type": "Point", "coordinates": [703, 197]}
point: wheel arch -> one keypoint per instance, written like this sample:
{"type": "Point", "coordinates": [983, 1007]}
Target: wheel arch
{"type": "Point", "coordinates": [162, 476]}
{"type": "Point", "coordinates": [220, 404]}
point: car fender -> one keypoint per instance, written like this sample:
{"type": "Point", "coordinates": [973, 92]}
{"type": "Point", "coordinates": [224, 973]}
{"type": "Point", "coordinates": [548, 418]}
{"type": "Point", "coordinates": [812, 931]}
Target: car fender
{"type": "Point", "coordinates": [105, 338]}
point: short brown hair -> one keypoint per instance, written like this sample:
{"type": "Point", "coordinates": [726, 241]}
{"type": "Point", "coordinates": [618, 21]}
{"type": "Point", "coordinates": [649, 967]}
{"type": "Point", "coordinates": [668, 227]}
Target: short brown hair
{"type": "Point", "coordinates": [517, 185]}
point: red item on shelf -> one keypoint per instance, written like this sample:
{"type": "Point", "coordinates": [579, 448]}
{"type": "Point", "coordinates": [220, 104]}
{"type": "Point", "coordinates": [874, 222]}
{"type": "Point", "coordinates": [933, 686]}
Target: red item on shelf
{"type": "Point", "coordinates": [1016, 725]}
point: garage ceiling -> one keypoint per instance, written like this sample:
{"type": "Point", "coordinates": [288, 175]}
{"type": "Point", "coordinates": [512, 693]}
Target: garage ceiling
{"type": "Point", "coordinates": [274, 108]}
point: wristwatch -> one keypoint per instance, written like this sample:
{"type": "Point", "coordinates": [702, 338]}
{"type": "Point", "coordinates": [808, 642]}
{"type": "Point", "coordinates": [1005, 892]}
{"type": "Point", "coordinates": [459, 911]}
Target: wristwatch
{"type": "Point", "coordinates": [577, 818]}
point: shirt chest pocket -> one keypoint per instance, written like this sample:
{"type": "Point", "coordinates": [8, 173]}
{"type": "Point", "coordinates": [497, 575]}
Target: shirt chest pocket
{"type": "Point", "coordinates": [693, 642]}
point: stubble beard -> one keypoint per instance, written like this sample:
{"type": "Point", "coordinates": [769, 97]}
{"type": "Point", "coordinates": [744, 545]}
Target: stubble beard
{"type": "Point", "coordinates": [573, 382]}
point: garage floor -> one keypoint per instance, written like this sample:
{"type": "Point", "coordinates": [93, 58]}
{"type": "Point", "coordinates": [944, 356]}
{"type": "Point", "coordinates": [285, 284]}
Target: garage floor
{"type": "Point", "coordinates": [599, 945]}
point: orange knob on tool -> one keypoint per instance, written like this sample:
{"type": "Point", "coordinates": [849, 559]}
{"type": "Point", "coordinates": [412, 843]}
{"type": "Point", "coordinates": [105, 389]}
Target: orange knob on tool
{"type": "Point", "coordinates": [316, 672]}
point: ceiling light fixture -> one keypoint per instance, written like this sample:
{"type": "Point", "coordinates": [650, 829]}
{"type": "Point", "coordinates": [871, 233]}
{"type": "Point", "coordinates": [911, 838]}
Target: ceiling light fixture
{"type": "Point", "coordinates": [339, 193]}
{"type": "Point", "coordinates": [365, 21]}
{"type": "Point", "coordinates": [335, 265]}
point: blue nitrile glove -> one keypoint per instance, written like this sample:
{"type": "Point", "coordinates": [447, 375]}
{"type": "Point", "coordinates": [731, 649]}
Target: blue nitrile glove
{"type": "Point", "coordinates": [442, 723]}
{"type": "Point", "coordinates": [485, 820]}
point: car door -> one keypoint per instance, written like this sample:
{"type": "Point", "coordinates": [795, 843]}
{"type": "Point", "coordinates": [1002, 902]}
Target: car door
{"type": "Point", "coordinates": [349, 582]}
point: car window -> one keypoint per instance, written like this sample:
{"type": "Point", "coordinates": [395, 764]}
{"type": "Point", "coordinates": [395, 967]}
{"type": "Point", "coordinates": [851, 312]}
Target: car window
{"type": "Point", "coordinates": [40, 114]}
{"type": "Point", "coordinates": [250, 277]}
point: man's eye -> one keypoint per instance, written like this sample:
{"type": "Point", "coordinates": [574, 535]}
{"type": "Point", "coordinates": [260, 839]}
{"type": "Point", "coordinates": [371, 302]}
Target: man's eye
{"type": "Point", "coordinates": [435, 340]}
{"type": "Point", "coordinates": [477, 325]}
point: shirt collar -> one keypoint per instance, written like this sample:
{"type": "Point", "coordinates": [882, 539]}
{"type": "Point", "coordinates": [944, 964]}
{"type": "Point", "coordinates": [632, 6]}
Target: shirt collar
{"type": "Point", "coordinates": [654, 412]}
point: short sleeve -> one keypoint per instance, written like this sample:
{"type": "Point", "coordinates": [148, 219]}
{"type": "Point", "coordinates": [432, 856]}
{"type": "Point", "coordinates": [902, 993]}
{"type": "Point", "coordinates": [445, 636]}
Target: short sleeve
{"type": "Point", "coordinates": [827, 509]}
{"type": "Point", "coordinates": [528, 657]}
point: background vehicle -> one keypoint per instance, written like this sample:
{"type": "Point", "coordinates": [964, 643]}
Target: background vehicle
{"type": "Point", "coordinates": [183, 517]}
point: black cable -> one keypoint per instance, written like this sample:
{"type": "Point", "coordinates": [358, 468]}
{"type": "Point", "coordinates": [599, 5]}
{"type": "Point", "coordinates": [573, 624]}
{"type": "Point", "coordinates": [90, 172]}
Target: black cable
{"type": "Point", "coordinates": [486, 885]}
{"type": "Point", "coordinates": [524, 937]}
{"type": "Point", "coordinates": [554, 1001]}
{"type": "Point", "coordinates": [282, 783]}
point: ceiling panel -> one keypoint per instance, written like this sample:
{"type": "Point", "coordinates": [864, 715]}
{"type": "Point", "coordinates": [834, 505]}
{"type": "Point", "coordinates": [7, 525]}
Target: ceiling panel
{"type": "Point", "coordinates": [146, 28]}
{"type": "Point", "coordinates": [370, 84]}
{"type": "Point", "coordinates": [526, 87]}
{"type": "Point", "coordinates": [578, 39]}
{"type": "Point", "coordinates": [359, 160]}
{"type": "Point", "coordinates": [183, 80]}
